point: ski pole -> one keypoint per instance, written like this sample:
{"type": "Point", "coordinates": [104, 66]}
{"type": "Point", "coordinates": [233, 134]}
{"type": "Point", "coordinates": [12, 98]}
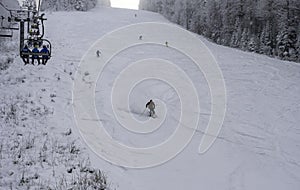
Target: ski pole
{"type": "Point", "coordinates": [143, 111]}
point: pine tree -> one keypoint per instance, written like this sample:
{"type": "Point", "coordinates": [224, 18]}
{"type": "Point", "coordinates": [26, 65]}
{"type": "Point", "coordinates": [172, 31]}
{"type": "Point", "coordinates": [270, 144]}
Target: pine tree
{"type": "Point", "coordinates": [214, 21]}
{"type": "Point", "coordinates": [244, 39]}
{"type": "Point", "coordinates": [265, 40]}
{"type": "Point", "coordinates": [237, 34]}
{"type": "Point", "coordinates": [199, 19]}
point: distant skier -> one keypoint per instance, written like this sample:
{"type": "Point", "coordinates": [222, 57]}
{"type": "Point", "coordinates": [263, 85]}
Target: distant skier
{"type": "Point", "coordinates": [141, 37]}
{"type": "Point", "coordinates": [167, 44]}
{"type": "Point", "coordinates": [98, 53]}
{"type": "Point", "coordinates": [151, 106]}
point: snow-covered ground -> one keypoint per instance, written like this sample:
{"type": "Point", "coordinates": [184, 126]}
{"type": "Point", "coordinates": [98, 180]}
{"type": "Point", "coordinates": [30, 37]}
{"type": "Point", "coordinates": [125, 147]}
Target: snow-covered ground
{"type": "Point", "coordinates": [257, 148]}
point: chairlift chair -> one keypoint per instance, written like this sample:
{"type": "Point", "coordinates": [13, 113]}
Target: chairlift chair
{"type": "Point", "coordinates": [39, 43]}
{"type": "Point", "coordinates": [6, 33]}
{"type": "Point", "coordinates": [13, 25]}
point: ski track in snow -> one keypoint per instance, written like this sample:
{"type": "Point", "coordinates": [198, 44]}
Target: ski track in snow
{"type": "Point", "coordinates": [258, 147]}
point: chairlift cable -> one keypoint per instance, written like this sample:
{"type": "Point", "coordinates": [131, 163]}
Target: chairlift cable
{"type": "Point", "coordinates": [4, 7]}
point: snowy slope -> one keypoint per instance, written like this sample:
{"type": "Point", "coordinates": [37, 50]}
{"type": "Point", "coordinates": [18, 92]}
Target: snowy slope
{"type": "Point", "coordinates": [258, 147]}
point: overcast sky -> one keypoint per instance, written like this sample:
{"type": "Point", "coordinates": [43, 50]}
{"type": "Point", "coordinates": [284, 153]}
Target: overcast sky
{"type": "Point", "coordinates": [130, 4]}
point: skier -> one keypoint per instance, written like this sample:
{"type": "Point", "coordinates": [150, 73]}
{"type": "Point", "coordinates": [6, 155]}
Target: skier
{"type": "Point", "coordinates": [98, 53]}
{"type": "Point", "coordinates": [141, 37]}
{"type": "Point", "coordinates": [25, 57]}
{"type": "Point", "coordinates": [167, 44]}
{"type": "Point", "coordinates": [45, 57]}
{"type": "Point", "coordinates": [151, 106]}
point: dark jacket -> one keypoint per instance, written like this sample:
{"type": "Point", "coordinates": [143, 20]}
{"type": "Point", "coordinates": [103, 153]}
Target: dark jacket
{"type": "Point", "coordinates": [26, 50]}
{"type": "Point", "coordinates": [46, 51]}
{"type": "Point", "coordinates": [150, 105]}
{"type": "Point", "coordinates": [35, 50]}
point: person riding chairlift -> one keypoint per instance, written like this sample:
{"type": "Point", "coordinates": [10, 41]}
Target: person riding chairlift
{"type": "Point", "coordinates": [45, 55]}
{"type": "Point", "coordinates": [25, 58]}
{"type": "Point", "coordinates": [35, 50]}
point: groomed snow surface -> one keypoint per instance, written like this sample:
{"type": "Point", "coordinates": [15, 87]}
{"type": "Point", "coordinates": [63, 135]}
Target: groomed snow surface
{"type": "Point", "coordinates": [257, 148]}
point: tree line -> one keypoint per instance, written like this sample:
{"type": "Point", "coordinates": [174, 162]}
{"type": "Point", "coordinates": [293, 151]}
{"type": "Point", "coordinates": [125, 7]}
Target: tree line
{"type": "Point", "coordinates": [270, 27]}
{"type": "Point", "coordinates": [72, 5]}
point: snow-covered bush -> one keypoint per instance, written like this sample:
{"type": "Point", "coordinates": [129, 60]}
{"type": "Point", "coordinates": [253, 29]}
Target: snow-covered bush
{"type": "Point", "coordinates": [33, 158]}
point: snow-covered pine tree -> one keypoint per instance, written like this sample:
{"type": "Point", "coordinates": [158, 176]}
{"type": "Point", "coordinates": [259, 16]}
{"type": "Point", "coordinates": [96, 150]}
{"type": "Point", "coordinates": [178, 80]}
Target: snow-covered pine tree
{"type": "Point", "coordinates": [214, 21]}
{"type": "Point", "coordinates": [228, 19]}
{"type": "Point", "coordinates": [298, 44]}
{"type": "Point", "coordinates": [244, 40]}
{"type": "Point", "coordinates": [287, 36]}
{"type": "Point", "coordinates": [237, 34]}
{"type": "Point", "coordinates": [265, 40]}
{"type": "Point", "coordinates": [199, 19]}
